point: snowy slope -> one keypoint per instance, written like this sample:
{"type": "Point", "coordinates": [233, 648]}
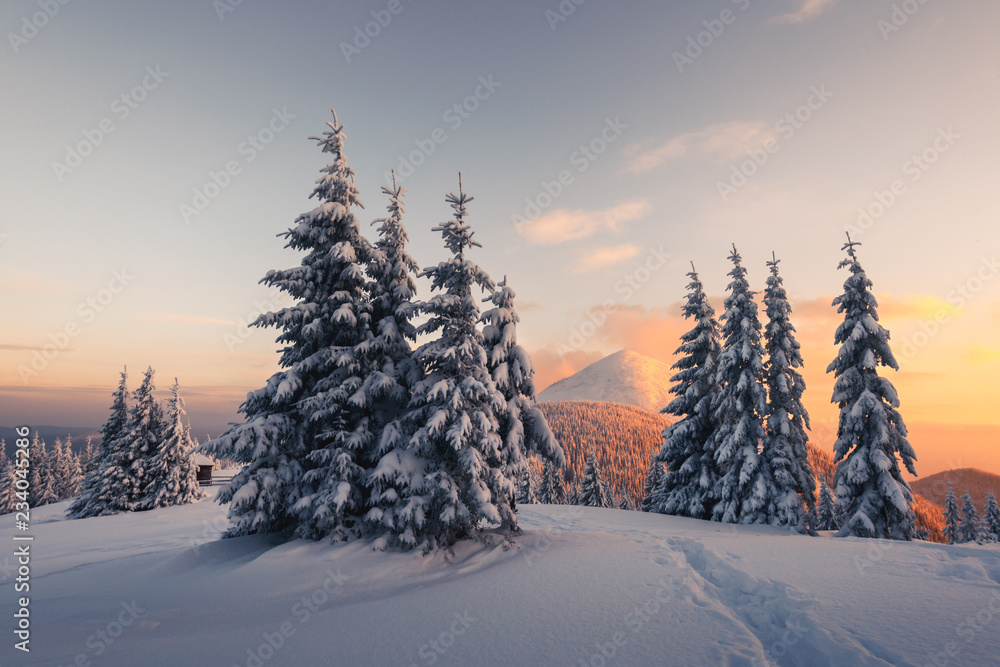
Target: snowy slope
{"type": "Point", "coordinates": [584, 587]}
{"type": "Point", "coordinates": [623, 377]}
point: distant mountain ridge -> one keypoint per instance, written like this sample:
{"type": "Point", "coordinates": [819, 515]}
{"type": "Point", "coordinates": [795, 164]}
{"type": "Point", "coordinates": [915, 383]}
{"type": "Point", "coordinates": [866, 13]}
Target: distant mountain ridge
{"type": "Point", "coordinates": [49, 435]}
{"type": "Point", "coordinates": [625, 377]}
{"type": "Point", "coordinates": [977, 482]}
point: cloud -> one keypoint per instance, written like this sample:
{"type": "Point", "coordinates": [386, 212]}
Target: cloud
{"type": "Point", "coordinates": [806, 10]}
{"type": "Point", "coordinates": [14, 346]}
{"type": "Point", "coordinates": [912, 306]}
{"type": "Point", "coordinates": [17, 280]}
{"type": "Point", "coordinates": [602, 257]}
{"type": "Point", "coordinates": [978, 354]}
{"type": "Point", "coordinates": [564, 225]}
{"type": "Point", "coordinates": [723, 141]}
{"type": "Point", "coordinates": [183, 319]}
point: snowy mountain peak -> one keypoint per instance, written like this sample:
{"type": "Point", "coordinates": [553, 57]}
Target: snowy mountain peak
{"type": "Point", "coordinates": [623, 377]}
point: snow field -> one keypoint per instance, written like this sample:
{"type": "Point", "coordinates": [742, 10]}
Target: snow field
{"type": "Point", "coordinates": [583, 586]}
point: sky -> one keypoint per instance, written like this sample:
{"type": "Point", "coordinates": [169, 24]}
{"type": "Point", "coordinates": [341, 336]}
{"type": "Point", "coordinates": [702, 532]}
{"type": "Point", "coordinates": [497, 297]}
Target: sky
{"type": "Point", "coordinates": [153, 152]}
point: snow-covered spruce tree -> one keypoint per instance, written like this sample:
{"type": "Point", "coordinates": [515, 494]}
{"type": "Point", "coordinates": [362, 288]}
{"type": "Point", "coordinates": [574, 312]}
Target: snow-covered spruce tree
{"type": "Point", "coordinates": [786, 443]}
{"type": "Point", "coordinates": [826, 512]}
{"type": "Point", "coordinates": [58, 468]}
{"type": "Point", "coordinates": [393, 369]}
{"type": "Point", "coordinates": [593, 489]}
{"type": "Point", "coordinates": [991, 517]}
{"type": "Point", "coordinates": [44, 484]}
{"type": "Point", "coordinates": [871, 434]}
{"type": "Point", "coordinates": [308, 433]}
{"type": "Point", "coordinates": [125, 472]}
{"type": "Point", "coordinates": [522, 425]}
{"type": "Point", "coordinates": [951, 532]}
{"type": "Point", "coordinates": [88, 502]}
{"type": "Point", "coordinates": [746, 491]}
{"type": "Point", "coordinates": [172, 474]}
{"type": "Point", "coordinates": [450, 471]}
{"type": "Point", "coordinates": [527, 487]}
{"type": "Point", "coordinates": [573, 493]}
{"type": "Point", "coordinates": [68, 472]}
{"type": "Point", "coordinates": [8, 482]}
{"type": "Point", "coordinates": [968, 529]}
{"type": "Point", "coordinates": [688, 486]}
{"type": "Point", "coordinates": [624, 500]}
{"type": "Point", "coordinates": [553, 486]}
{"type": "Point", "coordinates": [654, 479]}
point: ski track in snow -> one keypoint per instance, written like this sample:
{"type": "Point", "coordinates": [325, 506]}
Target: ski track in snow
{"type": "Point", "coordinates": [774, 613]}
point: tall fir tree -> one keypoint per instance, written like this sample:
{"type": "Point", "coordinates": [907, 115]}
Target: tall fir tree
{"type": "Point", "coordinates": [450, 471]}
{"type": "Point", "coordinates": [746, 491]}
{"type": "Point", "coordinates": [654, 479]}
{"type": "Point", "coordinates": [786, 443]}
{"type": "Point", "coordinates": [394, 370]}
{"type": "Point", "coordinates": [523, 427]}
{"type": "Point", "coordinates": [952, 531]}
{"type": "Point", "coordinates": [991, 517]}
{"type": "Point", "coordinates": [826, 513]}
{"type": "Point", "coordinates": [968, 529]}
{"type": "Point", "coordinates": [172, 474]}
{"type": "Point", "coordinates": [90, 501]}
{"type": "Point", "coordinates": [308, 433]}
{"type": "Point", "coordinates": [125, 472]}
{"type": "Point", "coordinates": [871, 435]}
{"type": "Point", "coordinates": [594, 490]}
{"type": "Point", "coordinates": [688, 487]}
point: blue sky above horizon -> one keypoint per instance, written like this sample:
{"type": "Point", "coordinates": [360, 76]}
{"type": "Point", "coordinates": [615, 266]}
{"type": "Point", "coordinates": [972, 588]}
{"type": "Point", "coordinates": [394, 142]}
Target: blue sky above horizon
{"type": "Point", "coordinates": [879, 97]}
